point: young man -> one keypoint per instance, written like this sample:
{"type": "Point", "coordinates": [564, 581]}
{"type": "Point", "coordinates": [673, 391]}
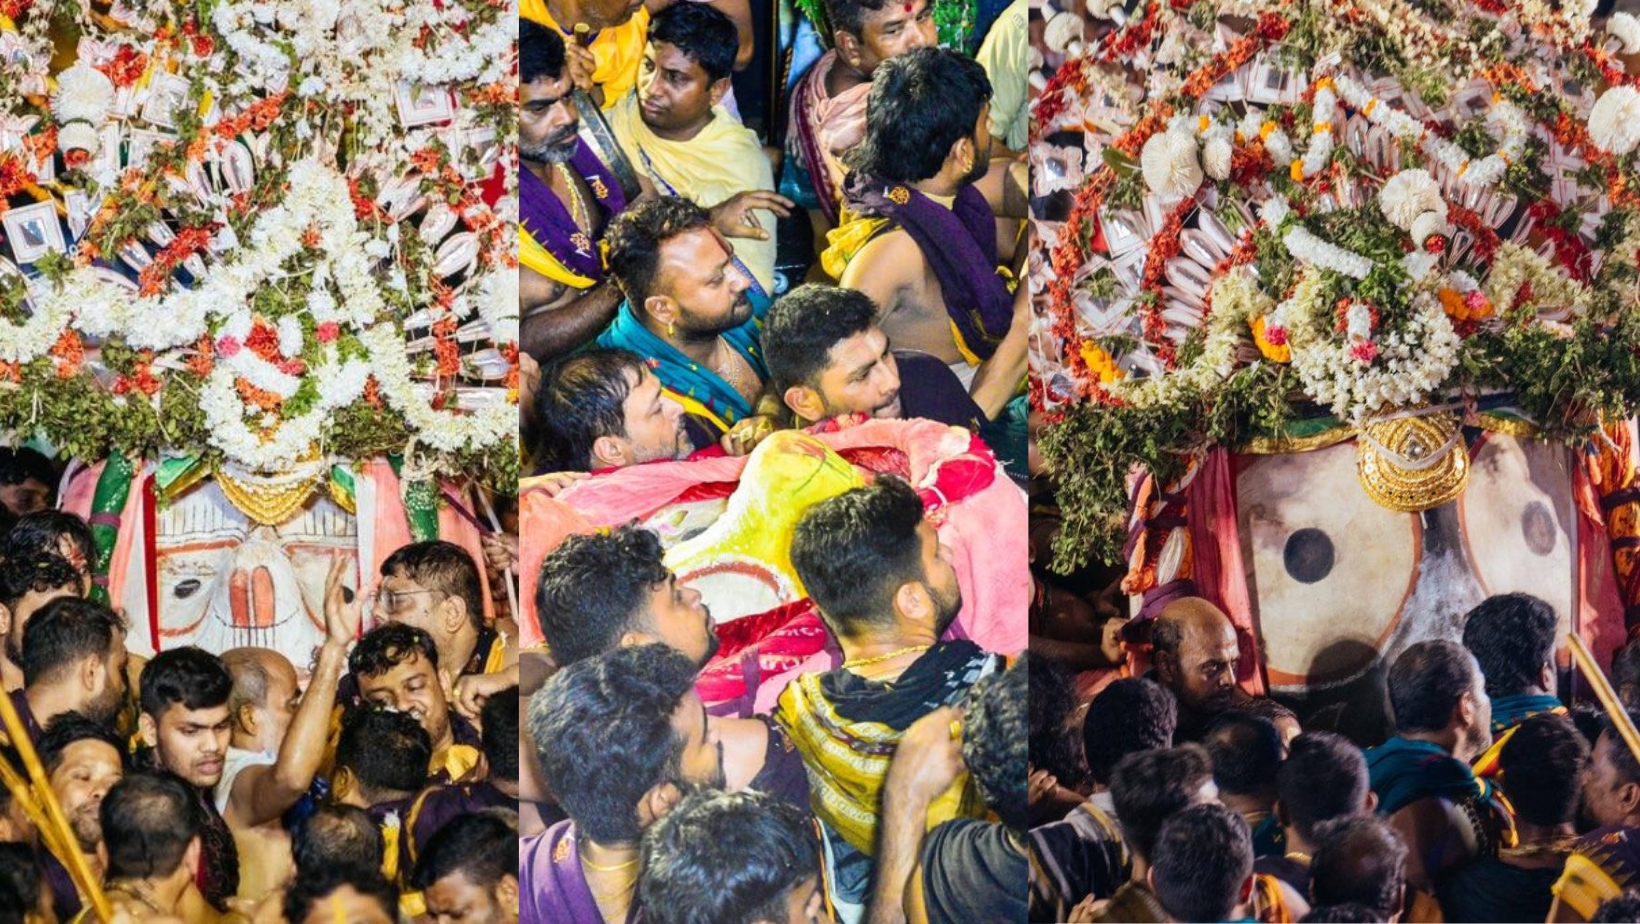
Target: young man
{"type": "Point", "coordinates": [396, 667]}
{"type": "Point", "coordinates": [919, 238]}
{"type": "Point", "coordinates": [187, 725]}
{"type": "Point", "coordinates": [828, 104]}
{"type": "Point", "coordinates": [73, 660]}
{"type": "Point", "coordinates": [828, 356]}
{"type": "Point", "coordinates": [887, 592]}
{"type": "Point", "coordinates": [381, 763]}
{"type": "Point", "coordinates": [620, 738]}
{"type": "Point", "coordinates": [1148, 788]}
{"type": "Point", "coordinates": [674, 128]}
{"type": "Point", "coordinates": [153, 831]}
{"type": "Point", "coordinates": [1247, 750]}
{"type": "Point", "coordinates": [1512, 637]}
{"type": "Point", "coordinates": [83, 760]}
{"type": "Point", "coordinates": [603, 409]}
{"type": "Point", "coordinates": [28, 582]}
{"type": "Point", "coordinates": [28, 481]}
{"type": "Point", "coordinates": [762, 849]}
{"type": "Point", "coordinates": [1361, 861]}
{"type": "Point", "coordinates": [1605, 862]}
{"type": "Point", "coordinates": [1323, 778]}
{"type": "Point", "coordinates": [470, 870]}
{"type": "Point", "coordinates": [1203, 869]}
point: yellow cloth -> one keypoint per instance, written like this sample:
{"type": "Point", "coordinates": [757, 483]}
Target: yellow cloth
{"type": "Point", "coordinates": [618, 51]}
{"type": "Point", "coordinates": [1584, 885]}
{"type": "Point", "coordinates": [457, 760]}
{"type": "Point", "coordinates": [843, 242]}
{"type": "Point", "coordinates": [725, 158]}
{"type": "Point", "coordinates": [1003, 57]}
{"type": "Point", "coordinates": [532, 255]}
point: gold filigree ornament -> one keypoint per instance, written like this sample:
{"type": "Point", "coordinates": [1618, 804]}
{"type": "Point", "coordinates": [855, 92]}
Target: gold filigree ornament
{"type": "Point", "coordinates": [269, 499]}
{"type": "Point", "coordinates": [1412, 463]}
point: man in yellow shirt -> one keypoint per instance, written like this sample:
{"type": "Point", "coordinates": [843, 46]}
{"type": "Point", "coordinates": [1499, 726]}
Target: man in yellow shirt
{"type": "Point", "coordinates": [607, 66]}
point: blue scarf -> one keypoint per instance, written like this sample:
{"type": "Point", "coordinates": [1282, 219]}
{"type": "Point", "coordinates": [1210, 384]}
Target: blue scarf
{"type": "Point", "coordinates": [1402, 771]}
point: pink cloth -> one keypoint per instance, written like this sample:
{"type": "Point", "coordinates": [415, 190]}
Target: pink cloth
{"type": "Point", "coordinates": [544, 523]}
{"type": "Point", "coordinates": [1599, 617]}
{"type": "Point", "coordinates": [1220, 575]}
{"type": "Point", "coordinates": [828, 125]}
{"type": "Point", "coordinates": [393, 528]}
{"type": "Point", "coordinates": [986, 531]}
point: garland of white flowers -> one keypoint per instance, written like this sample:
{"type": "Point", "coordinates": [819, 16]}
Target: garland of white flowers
{"type": "Point", "coordinates": [1504, 118]}
{"type": "Point", "coordinates": [1307, 248]}
{"type": "Point", "coordinates": [280, 442]}
{"type": "Point", "coordinates": [445, 431]}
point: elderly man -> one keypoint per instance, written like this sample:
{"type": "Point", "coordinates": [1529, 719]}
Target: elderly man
{"type": "Point", "coordinates": [1195, 654]}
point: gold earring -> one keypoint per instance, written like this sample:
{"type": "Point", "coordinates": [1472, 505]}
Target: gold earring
{"type": "Point", "coordinates": [671, 328]}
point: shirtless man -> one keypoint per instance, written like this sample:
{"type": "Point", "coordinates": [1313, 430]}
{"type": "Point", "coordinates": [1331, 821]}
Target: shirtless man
{"type": "Point", "coordinates": [920, 239]}
{"type": "Point", "coordinates": [277, 744]}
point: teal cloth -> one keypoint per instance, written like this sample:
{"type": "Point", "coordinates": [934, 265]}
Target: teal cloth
{"type": "Point", "coordinates": [1268, 838]}
{"type": "Point", "coordinates": [1402, 771]}
{"type": "Point", "coordinates": [1509, 711]}
{"type": "Point", "coordinates": [679, 373]}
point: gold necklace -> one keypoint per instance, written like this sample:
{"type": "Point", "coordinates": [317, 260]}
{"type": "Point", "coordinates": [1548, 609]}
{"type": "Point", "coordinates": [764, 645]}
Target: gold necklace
{"type": "Point", "coordinates": [606, 869]}
{"type": "Point", "coordinates": [862, 662]}
{"type": "Point", "coordinates": [578, 209]}
{"type": "Point", "coordinates": [1295, 855]}
{"type": "Point", "coordinates": [726, 368]}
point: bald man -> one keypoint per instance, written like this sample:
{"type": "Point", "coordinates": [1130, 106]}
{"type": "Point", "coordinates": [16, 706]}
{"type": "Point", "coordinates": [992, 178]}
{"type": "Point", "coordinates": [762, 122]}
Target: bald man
{"type": "Point", "coordinates": [1195, 654]}
{"type": "Point", "coordinates": [278, 743]}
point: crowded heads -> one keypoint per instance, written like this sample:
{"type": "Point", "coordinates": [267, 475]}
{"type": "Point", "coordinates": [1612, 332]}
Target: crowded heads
{"type": "Point", "coordinates": [870, 561]}
{"type": "Point", "coordinates": [380, 756]}
{"type": "Point", "coordinates": [1610, 783]}
{"type": "Point", "coordinates": [1541, 765]}
{"type": "Point", "coordinates": [685, 69]}
{"type": "Point", "coordinates": [1129, 716]}
{"type": "Point", "coordinates": [1512, 637]}
{"type": "Point", "coordinates": [1324, 777]}
{"type": "Point", "coordinates": [1195, 650]}
{"type": "Point", "coordinates": [600, 591]}
{"type": "Point", "coordinates": [151, 826]}
{"type": "Point", "coordinates": [336, 837]}
{"type": "Point", "coordinates": [827, 356]}
{"type": "Point", "coordinates": [354, 896]}
{"type": "Point", "coordinates": [926, 114]}
{"type": "Point", "coordinates": [621, 737]}
{"type": "Point", "coordinates": [397, 668]}
{"type": "Point", "coordinates": [434, 586]}
{"type": "Point", "coordinates": [676, 270]}
{"type": "Point", "coordinates": [1359, 860]}
{"type": "Point", "coordinates": [547, 119]}
{"type": "Point", "coordinates": [184, 695]}
{"type": "Point", "coordinates": [80, 645]}
{"type": "Point", "coordinates": [28, 481]}
{"type": "Point", "coordinates": [1149, 787]}
{"type": "Point", "coordinates": [730, 858]}
{"type": "Point", "coordinates": [605, 409]}
{"type": "Point", "coordinates": [1202, 865]}
{"type": "Point", "coordinates": [499, 735]}
{"type": "Point", "coordinates": [83, 760]}
{"type": "Point", "coordinates": [1435, 685]}
{"type": "Point", "coordinates": [868, 32]}
{"type": "Point", "coordinates": [28, 582]}
{"type": "Point", "coordinates": [1246, 750]}
{"type": "Point", "coordinates": [469, 870]}
{"type": "Point", "coordinates": [1053, 745]}
{"type": "Point", "coordinates": [994, 744]}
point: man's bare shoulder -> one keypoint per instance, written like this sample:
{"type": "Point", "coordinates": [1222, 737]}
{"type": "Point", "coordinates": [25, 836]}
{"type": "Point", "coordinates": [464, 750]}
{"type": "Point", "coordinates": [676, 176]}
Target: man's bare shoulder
{"type": "Point", "coordinates": [893, 252]}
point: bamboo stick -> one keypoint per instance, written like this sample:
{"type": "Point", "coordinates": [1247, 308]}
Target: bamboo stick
{"type": "Point", "coordinates": [1607, 696]}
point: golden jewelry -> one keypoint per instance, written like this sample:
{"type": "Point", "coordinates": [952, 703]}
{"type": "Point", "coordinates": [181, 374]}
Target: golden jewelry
{"type": "Point", "coordinates": [1411, 464]}
{"type": "Point", "coordinates": [671, 329]}
{"type": "Point", "coordinates": [1295, 855]}
{"type": "Point", "coordinates": [608, 869]}
{"type": "Point", "coordinates": [269, 501]}
{"type": "Point", "coordinates": [862, 662]}
{"type": "Point", "coordinates": [578, 209]}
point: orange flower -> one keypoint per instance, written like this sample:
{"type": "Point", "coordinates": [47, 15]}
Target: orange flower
{"type": "Point", "coordinates": [1100, 364]}
{"type": "Point", "coordinates": [1275, 352]}
{"type": "Point", "coordinates": [251, 395]}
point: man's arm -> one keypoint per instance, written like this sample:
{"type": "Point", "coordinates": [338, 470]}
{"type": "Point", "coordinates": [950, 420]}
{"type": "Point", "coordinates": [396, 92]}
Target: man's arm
{"type": "Point", "coordinates": [554, 326]}
{"type": "Point", "coordinates": [262, 793]}
{"type": "Point", "coordinates": [998, 378]}
{"type": "Point", "coordinates": [926, 762]}
{"type": "Point", "coordinates": [884, 269]}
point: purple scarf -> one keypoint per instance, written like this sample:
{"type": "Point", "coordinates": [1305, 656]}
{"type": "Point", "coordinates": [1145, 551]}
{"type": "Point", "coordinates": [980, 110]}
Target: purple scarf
{"type": "Point", "coordinates": [552, 886]}
{"type": "Point", "coordinates": [544, 216]}
{"type": "Point", "coordinates": [960, 245]}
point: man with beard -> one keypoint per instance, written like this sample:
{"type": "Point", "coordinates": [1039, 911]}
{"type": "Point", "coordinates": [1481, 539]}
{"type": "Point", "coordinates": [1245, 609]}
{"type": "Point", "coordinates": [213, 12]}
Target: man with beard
{"type": "Point", "coordinates": [887, 591]}
{"type": "Point", "coordinates": [82, 760]}
{"type": "Point", "coordinates": [436, 587]}
{"type": "Point", "coordinates": [919, 238]}
{"type": "Point", "coordinates": [186, 725]}
{"type": "Point", "coordinates": [828, 104]}
{"type": "Point", "coordinates": [690, 311]}
{"type": "Point", "coordinates": [1421, 775]}
{"type": "Point", "coordinates": [73, 659]}
{"type": "Point", "coordinates": [620, 738]}
{"type": "Point", "coordinates": [277, 745]}
{"type": "Point", "coordinates": [675, 129]}
{"type": "Point", "coordinates": [828, 356]}
{"type": "Point", "coordinates": [1605, 863]}
{"type": "Point", "coordinates": [1194, 649]}
{"type": "Point", "coordinates": [604, 409]}
{"type": "Point", "coordinates": [28, 582]}
{"type": "Point", "coordinates": [396, 667]}
{"type": "Point", "coordinates": [470, 870]}
{"type": "Point", "coordinates": [600, 592]}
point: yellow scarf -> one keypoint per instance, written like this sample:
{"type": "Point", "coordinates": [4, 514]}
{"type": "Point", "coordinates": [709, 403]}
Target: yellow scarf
{"type": "Point", "coordinates": [618, 51]}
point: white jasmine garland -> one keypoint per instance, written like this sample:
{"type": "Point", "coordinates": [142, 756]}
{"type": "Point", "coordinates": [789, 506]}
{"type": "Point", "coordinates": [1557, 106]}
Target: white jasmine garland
{"type": "Point", "coordinates": [1408, 194]}
{"type": "Point", "coordinates": [1319, 153]}
{"type": "Point", "coordinates": [1216, 156]}
{"type": "Point", "coordinates": [1307, 248]}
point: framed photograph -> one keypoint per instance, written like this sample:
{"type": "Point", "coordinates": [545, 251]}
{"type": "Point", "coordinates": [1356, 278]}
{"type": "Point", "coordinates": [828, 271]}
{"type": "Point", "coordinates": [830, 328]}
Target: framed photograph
{"type": "Point", "coordinates": [167, 94]}
{"type": "Point", "coordinates": [475, 151]}
{"type": "Point", "coordinates": [423, 105]}
{"type": "Point", "coordinates": [143, 143]}
{"type": "Point", "coordinates": [80, 211]}
{"type": "Point", "coordinates": [33, 231]}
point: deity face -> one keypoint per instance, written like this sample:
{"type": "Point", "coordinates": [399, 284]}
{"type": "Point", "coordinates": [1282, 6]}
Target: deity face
{"type": "Point", "coordinates": [697, 270]}
{"type": "Point", "coordinates": [674, 92]}
{"type": "Point", "coordinates": [861, 377]}
{"type": "Point", "coordinates": [547, 120]}
{"type": "Point", "coordinates": [895, 29]}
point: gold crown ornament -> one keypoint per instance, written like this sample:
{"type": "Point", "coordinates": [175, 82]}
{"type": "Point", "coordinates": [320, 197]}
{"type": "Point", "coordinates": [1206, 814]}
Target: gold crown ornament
{"type": "Point", "coordinates": [1412, 463]}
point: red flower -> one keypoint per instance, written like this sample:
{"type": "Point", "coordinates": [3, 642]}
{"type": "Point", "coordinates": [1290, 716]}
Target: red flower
{"type": "Point", "coordinates": [1435, 244]}
{"type": "Point", "coordinates": [328, 332]}
{"type": "Point", "coordinates": [1364, 351]}
{"type": "Point", "coordinates": [227, 346]}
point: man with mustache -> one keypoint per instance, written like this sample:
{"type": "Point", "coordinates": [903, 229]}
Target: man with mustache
{"type": "Point", "coordinates": [397, 668]}
{"type": "Point", "coordinates": [604, 409]}
{"type": "Point", "coordinates": [83, 760]}
{"type": "Point", "coordinates": [1195, 652]}
{"type": "Point", "coordinates": [828, 356]}
{"type": "Point", "coordinates": [919, 238]}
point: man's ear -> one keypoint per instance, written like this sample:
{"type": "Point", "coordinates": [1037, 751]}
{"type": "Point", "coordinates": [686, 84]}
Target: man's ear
{"type": "Point", "coordinates": [148, 730]}
{"type": "Point", "coordinates": [660, 799]}
{"type": "Point", "coordinates": [911, 600]}
{"type": "Point", "coordinates": [1166, 666]}
{"type": "Point", "coordinates": [1546, 677]}
{"type": "Point", "coordinates": [506, 895]}
{"type": "Point", "coordinates": [609, 452]}
{"type": "Point", "coordinates": [453, 613]}
{"type": "Point", "coordinates": [1628, 796]}
{"type": "Point", "coordinates": [805, 403]}
{"type": "Point", "coordinates": [190, 857]}
{"type": "Point", "coordinates": [342, 783]}
{"type": "Point", "coordinates": [5, 623]}
{"type": "Point", "coordinates": [246, 718]}
{"type": "Point", "coordinates": [1371, 803]}
{"type": "Point", "coordinates": [718, 90]}
{"type": "Point", "coordinates": [92, 667]}
{"type": "Point", "coordinates": [662, 308]}
{"type": "Point", "coordinates": [962, 155]}
{"type": "Point", "coordinates": [848, 47]}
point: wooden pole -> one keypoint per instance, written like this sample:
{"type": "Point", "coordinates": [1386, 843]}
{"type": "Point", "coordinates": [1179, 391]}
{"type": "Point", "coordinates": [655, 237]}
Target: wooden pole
{"type": "Point", "coordinates": [1607, 696]}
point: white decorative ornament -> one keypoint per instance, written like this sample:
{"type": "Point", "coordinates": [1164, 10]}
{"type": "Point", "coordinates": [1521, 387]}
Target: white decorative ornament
{"type": "Point", "coordinates": [1626, 29]}
{"type": "Point", "coordinates": [1216, 157]}
{"type": "Point", "coordinates": [84, 94]}
{"type": "Point", "coordinates": [1408, 194]}
{"type": "Point", "coordinates": [1614, 122]}
{"type": "Point", "coordinates": [1170, 166]}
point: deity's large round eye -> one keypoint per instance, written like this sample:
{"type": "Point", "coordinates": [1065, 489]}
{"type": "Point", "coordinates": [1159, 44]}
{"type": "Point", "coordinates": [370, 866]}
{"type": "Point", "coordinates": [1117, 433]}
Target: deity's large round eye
{"type": "Point", "coordinates": [1519, 523]}
{"type": "Point", "coordinates": [1328, 570]}
{"type": "Point", "coordinates": [186, 589]}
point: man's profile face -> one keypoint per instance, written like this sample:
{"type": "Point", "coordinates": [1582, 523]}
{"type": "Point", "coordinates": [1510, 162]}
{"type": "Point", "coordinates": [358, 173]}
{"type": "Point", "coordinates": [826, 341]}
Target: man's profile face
{"type": "Point", "coordinates": [1207, 665]}
{"type": "Point", "coordinates": [807, 903]}
{"type": "Point", "coordinates": [109, 697]}
{"type": "Point", "coordinates": [654, 422]}
{"type": "Point", "coordinates": [412, 686]}
{"type": "Point", "coordinates": [678, 619]}
{"type": "Point", "coordinates": [193, 742]}
{"type": "Point", "coordinates": [861, 377]}
{"type": "Point", "coordinates": [897, 28]}
{"type": "Point", "coordinates": [26, 607]}
{"type": "Point", "coordinates": [87, 770]}
{"type": "Point", "coordinates": [702, 762]}
{"type": "Point", "coordinates": [697, 269]}
{"type": "Point", "coordinates": [455, 899]}
{"type": "Point", "coordinates": [982, 147]}
{"type": "Point", "coordinates": [674, 90]}
{"type": "Point", "coordinates": [940, 577]}
{"type": "Point", "coordinates": [547, 120]}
